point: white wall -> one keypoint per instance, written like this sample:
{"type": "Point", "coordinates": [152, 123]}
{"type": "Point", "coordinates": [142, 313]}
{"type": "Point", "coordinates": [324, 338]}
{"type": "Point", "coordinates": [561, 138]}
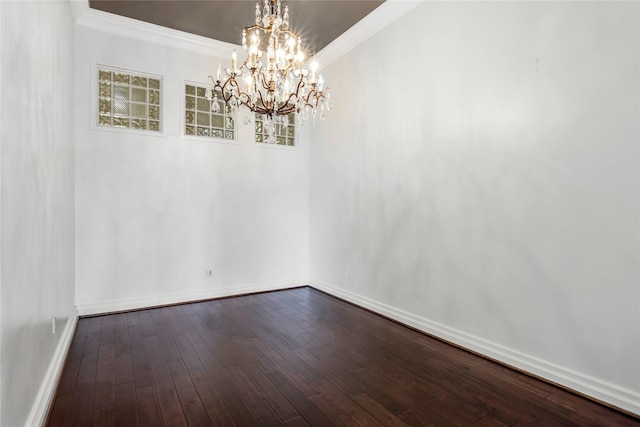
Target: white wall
{"type": "Point", "coordinates": [479, 177]}
{"type": "Point", "coordinates": [154, 212]}
{"type": "Point", "coordinates": [37, 197]}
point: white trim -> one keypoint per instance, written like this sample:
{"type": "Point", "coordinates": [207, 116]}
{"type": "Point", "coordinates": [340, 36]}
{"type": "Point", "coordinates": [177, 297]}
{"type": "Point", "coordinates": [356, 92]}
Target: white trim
{"type": "Point", "coordinates": [184, 297]}
{"type": "Point", "coordinates": [44, 399]}
{"type": "Point", "coordinates": [612, 394]}
{"type": "Point", "coordinates": [127, 27]}
{"type": "Point", "coordinates": [383, 15]}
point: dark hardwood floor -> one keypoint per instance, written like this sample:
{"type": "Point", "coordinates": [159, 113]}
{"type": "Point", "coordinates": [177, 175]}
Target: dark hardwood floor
{"type": "Point", "coordinates": [296, 357]}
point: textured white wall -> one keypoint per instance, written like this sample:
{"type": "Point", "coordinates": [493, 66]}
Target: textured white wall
{"type": "Point", "coordinates": [479, 174]}
{"type": "Point", "coordinates": [153, 213]}
{"type": "Point", "coordinates": [37, 195]}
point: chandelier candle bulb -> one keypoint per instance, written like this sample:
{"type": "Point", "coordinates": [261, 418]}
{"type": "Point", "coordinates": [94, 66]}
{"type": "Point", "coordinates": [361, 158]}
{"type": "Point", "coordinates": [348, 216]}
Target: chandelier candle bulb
{"type": "Point", "coordinates": [285, 18]}
{"type": "Point", "coordinates": [234, 60]}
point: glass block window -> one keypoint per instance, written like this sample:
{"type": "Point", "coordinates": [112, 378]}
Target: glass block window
{"type": "Point", "coordinates": [199, 120]}
{"type": "Point", "coordinates": [128, 100]}
{"type": "Point", "coordinates": [285, 129]}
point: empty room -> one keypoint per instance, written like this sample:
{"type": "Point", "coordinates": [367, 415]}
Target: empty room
{"type": "Point", "coordinates": [319, 213]}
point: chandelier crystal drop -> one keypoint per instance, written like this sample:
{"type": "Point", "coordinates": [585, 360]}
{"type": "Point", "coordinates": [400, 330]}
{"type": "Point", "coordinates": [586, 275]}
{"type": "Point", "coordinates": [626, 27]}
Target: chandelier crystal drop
{"type": "Point", "coordinates": [274, 79]}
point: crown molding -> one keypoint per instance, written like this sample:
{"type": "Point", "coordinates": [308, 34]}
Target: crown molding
{"type": "Point", "coordinates": [127, 27]}
{"type": "Point", "coordinates": [383, 15]}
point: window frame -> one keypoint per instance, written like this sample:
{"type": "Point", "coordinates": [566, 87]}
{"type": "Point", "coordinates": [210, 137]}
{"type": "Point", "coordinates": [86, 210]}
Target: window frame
{"type": "Point", "coordinates": [183, 128]}
{"type": "Point", "coordinates": [95, 108]}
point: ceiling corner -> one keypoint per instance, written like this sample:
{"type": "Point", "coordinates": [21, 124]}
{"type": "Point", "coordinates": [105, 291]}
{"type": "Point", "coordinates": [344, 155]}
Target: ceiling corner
{"type": "Point", "coordinates": [383, 15]}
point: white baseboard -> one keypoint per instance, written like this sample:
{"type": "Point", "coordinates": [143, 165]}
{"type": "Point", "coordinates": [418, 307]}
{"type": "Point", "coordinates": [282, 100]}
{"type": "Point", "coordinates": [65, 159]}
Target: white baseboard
{"type": "Point", "coordinates": [44, 399]}
{"type": "Point", "coordinates": [612, 394]}
{"type": "Point", "coordinates": [183, 297]}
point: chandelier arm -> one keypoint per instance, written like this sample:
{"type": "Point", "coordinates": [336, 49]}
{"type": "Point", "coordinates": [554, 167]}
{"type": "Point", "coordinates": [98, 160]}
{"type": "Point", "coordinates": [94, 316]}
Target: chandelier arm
{"type": "Point", "coordinates": [291, 95]}
{"type": "Point", "coordinates": [234, 84]}
{"type": "Point", "coordinates": [246, 104]}
{"type": "Point", "coordinates": [256, 27]}
{"type": "Point", "coordinates": [227, 94]}
{"type": "Point", "coordinates": [317, 96]}
{"type": "Point", "coordinates": [218, 86]}
{"type": "Point", "coordinates": [259, 110]}
{"type": "Point", "coordinates": [298, 87]}
{"type": "Point", "coordinates": [222, 87]}
{"type": "Point", "coordinates": [264, 106]}
{"type": "Point", "coordinates": [245, 95]}
{"type": "Point", "coordinates": [263, 81]}
{"type": "Point", "coordinates": [286, 111]}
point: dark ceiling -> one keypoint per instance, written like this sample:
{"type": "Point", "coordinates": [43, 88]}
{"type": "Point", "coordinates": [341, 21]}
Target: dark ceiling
{"type": "Point", "coordinates": [317, 22]}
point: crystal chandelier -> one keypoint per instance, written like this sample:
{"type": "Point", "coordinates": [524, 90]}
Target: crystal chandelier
{"type": "Point", "coordinates": [273, 79]}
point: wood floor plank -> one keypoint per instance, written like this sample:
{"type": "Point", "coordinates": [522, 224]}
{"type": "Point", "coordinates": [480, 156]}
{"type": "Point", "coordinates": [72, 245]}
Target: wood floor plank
{"type": "Point", "coordinates": [265, 365]}
{"type": "Point", "coordinates": [240, 412]}
{"type": "Point", "coordinates": [213, 403]}
{"type": "Point", "coordinates": [412, 418]}
{"type": "Point", "coordinates": [147, 407]}
{"type": "Point", "coordinates": [345, 403]}
{"type": "Point", "coordinates": [265, 414]}
{"type": "Point", "coordinates": [69, 374]}
{"type": "Point", "coordinates": [308, 410]}
{"type": "Point", "coordinates": [192, 407]}
{"type": "Point", "coordinates": [332, 411]}
{"type": "Point", "coordinates": [297, 422]}
{"type": "Point", "coordinates": [103, 417]}
{"type": "Point", "coordinates": [296, 357]}
{"type": "Point", "coordinates": [140, 366]}
{"type": "Point", "coordinates": [280, 405]}
{"type": "Point", "coordinates": [216, 373]}
{"type": "Point", "coordinates": [585, 413]}
{"type": "Point", "coordinates": [248, 392]}
{"type": "Point", "coordinates": [91, 344]}
{"type": "Point", "coordinates": [377, 391]}
{"type": "Point", "coordinates": [170, 346]}
{"type": "Point", "coordinates": [378, 411]}
{"type": "Point", "coordinates": [107, 331]}
{"type": "Point", "coordinates": [147, 324]}
{"type": "Point", "coordinates": [187, 354]}
{"type": "Point", "coordinates": [82, 398]}
{"type": "Point", "coordinates": [125, 404]}
{"type": "Point", "coordinates": [123, 368]}
{"type": "Point", "coordinates": [247, 347]}
{"type": "Point", "coordinates": [104, 393]}
{"type": "Point", "coordinates": [170, 408]}
{"type": "Point", "coordinates": [59, 410]}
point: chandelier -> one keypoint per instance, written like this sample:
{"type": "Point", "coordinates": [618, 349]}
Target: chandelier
{"type": "Point", "coordinates": [274, 79]}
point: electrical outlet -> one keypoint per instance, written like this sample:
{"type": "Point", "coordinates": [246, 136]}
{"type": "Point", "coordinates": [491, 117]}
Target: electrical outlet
{"type": "Point", "coordinates": [348, 273]}
{"type": "Point", "coordinates": [53, 325]}
{"type": "Point", "coordinates": [208, 274]}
